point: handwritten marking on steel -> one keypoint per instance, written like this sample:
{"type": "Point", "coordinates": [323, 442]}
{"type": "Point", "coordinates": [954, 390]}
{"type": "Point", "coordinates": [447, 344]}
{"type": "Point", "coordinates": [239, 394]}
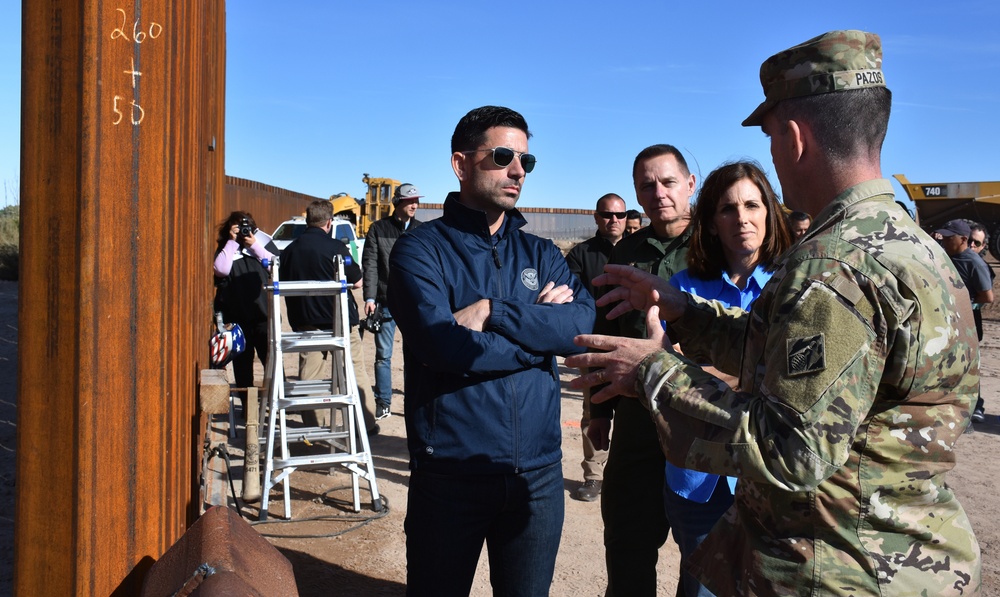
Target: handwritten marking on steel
{"type": "Point", "coordinates": [137, 36]}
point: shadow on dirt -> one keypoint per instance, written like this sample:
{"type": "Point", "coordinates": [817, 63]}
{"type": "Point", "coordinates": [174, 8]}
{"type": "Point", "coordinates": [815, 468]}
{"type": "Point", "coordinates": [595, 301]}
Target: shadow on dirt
{"type": "Point", "coordinates": [317, 578]}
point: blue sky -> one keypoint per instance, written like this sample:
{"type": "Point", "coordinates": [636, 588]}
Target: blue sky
{"type": "Point", "coordinates": [320, 92]}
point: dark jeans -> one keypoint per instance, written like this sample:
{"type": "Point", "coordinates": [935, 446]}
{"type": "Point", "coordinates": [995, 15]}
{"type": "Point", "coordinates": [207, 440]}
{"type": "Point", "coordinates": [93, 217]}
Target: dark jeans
{"type": "Point", "coordinates": [690, 523]}
{"type": "Point", "coordinates": [256, 341]}
{"type": "Point", "coordinates": [520, 516]}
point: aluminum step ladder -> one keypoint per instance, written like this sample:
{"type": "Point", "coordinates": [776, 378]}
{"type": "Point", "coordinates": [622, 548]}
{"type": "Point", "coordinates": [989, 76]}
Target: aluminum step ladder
{"type": "Point", "coordinates": [348, 439]}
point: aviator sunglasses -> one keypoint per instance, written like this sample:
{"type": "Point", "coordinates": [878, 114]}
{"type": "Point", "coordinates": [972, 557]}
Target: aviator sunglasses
{"type": "Point", "coordinates": [503, 156]}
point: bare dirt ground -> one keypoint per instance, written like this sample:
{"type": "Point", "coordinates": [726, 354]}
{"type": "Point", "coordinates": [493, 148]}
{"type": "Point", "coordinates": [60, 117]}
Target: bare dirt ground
{"type": "Point", "coordinates": [370, 559]}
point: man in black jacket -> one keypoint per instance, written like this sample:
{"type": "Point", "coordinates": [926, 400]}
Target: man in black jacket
{"type": "Point", "coordinates": [586, 260]}
{"type": "Point", "coordinates": [310, 257]}
{"type": "Point", "coordinates": [378, 245]}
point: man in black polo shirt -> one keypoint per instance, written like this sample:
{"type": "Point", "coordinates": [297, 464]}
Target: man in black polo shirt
{"type": "Point", "coordinates": [310, 257]}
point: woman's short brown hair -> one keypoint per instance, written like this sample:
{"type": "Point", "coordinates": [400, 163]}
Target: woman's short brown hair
{"type": "Point", "coordinates": [706, 259]}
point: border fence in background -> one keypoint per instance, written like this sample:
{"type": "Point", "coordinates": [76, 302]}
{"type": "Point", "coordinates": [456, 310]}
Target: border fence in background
{"type": "Point", "coordinates": [547, 222]}
{"type": "Point", "coordinates": [269, 205]}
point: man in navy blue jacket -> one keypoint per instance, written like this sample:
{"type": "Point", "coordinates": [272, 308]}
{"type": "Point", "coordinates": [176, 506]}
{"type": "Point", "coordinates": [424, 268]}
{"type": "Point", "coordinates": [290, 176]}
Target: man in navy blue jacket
{"type": "Point", "coordinates": [484, 309]}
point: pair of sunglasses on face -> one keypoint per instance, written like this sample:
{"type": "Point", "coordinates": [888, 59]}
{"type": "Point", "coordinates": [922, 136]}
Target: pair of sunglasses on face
{"type": "Point", "coordinates": [607, 215]}
{"type": "Point", "coordinates": [503, 156]}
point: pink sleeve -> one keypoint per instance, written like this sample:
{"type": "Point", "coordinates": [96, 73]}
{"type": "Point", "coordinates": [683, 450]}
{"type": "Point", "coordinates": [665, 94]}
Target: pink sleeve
{"type": "Point", "coordinates": [224, 260]}
{"type": "Point", "coordinates": [258, 249]}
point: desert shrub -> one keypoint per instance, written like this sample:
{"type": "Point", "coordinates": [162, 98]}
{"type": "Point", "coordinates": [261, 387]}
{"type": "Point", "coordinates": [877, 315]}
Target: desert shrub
{"type": "Point", "coordinates": [9, 254]}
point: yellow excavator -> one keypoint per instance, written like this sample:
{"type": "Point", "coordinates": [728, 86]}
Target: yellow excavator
{"type": "Point", "coordinates": [377, 203]}
{"type": "Point", "coordinates": [346, 207]}
{"type": "Point", "coordinates": [938, 202]}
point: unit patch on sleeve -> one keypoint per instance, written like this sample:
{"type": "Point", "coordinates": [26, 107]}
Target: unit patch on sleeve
{"type": "Point", "coordinates": [806, 355]}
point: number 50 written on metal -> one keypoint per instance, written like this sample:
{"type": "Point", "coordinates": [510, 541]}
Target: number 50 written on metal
{"type": "Point", "coordinates": [136, 109]}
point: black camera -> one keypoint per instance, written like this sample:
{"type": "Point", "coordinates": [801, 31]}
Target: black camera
{"type": "Point", "coordinates": [245, 228]}
{"type": "Point", "coordinates": [373, 323]}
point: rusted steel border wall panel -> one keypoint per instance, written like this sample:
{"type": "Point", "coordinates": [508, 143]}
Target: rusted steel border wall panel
{"type": "Point", "coordinates": [269, 205]}
{"type": "Point", "coordinates": [120, 187]}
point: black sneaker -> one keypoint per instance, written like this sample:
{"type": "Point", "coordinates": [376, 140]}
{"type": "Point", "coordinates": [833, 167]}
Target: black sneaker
{"type": "Point", "coordinates": [381, 411]}
{"type": "Point", "coordinates": [375, 430]}
{"type": "Point", "coordinates": [979, 416]}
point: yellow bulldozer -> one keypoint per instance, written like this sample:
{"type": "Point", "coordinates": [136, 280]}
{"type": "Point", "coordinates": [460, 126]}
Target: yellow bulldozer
{"type": "Point", "coordinates": [939, 202]}
{"type": "Point", "coordinates": [377, 203]}
{"type": "Point", "coordinates": [345, 206]}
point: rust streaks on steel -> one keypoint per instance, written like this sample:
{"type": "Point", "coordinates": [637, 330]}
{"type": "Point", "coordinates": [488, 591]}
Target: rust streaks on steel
{"type": "Point", "coordinates": [122, 181]}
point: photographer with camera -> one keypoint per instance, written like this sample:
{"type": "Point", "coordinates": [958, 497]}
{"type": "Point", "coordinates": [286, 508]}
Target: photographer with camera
{"type": "Point", "coordinates": [240, 276]}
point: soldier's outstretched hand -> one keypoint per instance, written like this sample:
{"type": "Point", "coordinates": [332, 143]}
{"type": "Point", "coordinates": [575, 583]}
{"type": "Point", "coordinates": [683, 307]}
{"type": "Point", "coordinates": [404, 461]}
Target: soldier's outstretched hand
{"type": "Point", "coordinates": [618, 364]}
{"type": "Point", "coordinates": [639, 290]}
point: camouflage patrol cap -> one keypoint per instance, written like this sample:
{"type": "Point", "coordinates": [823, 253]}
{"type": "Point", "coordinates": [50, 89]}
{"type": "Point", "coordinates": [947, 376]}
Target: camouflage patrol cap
{"type": "Point", "coordinates": [834, 61]}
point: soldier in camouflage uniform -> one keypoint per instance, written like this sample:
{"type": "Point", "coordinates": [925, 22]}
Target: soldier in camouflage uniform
{"type": "Point", "coordinates": [858, 367]}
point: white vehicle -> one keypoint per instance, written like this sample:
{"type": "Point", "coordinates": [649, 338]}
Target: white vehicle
{"type": "Point", "coordinates": [342, 230]}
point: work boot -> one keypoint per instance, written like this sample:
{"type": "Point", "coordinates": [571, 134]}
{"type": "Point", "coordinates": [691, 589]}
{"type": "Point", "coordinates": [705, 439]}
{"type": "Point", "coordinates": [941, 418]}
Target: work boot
{"type": "Point", "coordinates": [979, 416]}
{"type": "Point", "coordinates": [589, 491]}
